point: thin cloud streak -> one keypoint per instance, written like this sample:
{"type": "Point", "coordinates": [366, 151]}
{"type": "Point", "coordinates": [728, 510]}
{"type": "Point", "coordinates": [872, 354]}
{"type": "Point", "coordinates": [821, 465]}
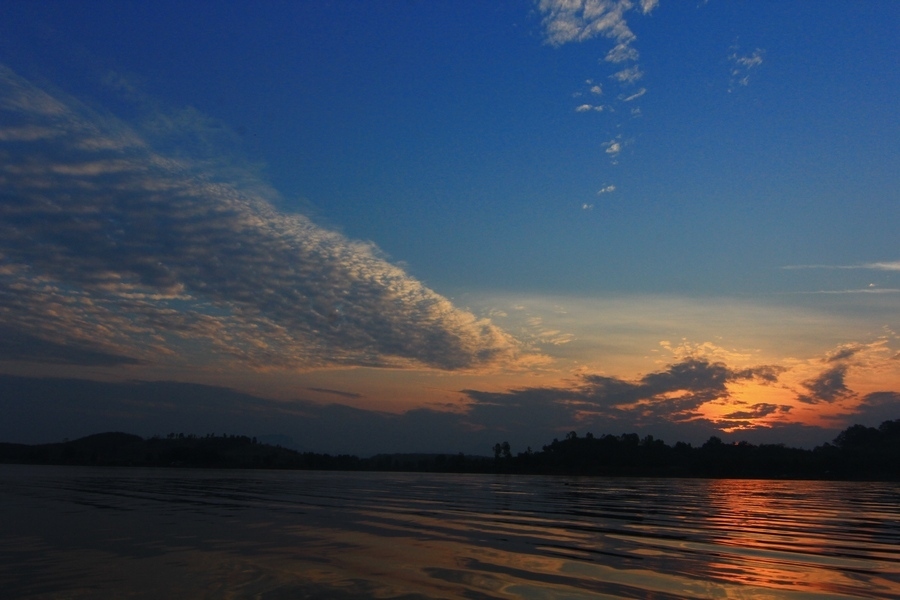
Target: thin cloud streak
{"type": "Point", "coordinates": [868, 290]}
{"type": "Point", "coordinates": [875, 266]}
{"type": "Point", "coordinates": [352, 395]}
{"type": "Point", "coordinates": [110, 245]}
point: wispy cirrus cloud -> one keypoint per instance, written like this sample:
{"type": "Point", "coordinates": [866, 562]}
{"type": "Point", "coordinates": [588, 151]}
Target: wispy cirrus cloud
{"type": "Point", "coordinates": [873, 266]}
{"type": "Point", "coordinates": [118, 249]}
{"type": "Point", "coordinates": [634, 96]}
{"type": "Point", "coordinates": [883, 266]}
{"type": "Point", "coordinates": [342, 394]}
{"type": "Point", "coordinates": [871, 288]}
{"type": "Point", "coordinates": [742, 65]}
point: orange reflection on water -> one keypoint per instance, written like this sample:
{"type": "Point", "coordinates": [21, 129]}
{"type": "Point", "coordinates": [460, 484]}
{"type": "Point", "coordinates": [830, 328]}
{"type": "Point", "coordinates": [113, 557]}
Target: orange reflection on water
{"type": "Point", "coordinates": [349, 536]}
{"type": "Point", "coordinates": [779, 535]}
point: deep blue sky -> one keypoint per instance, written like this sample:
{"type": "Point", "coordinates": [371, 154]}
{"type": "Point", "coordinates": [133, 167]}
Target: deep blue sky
{"type": "Point", "coordinates": [620, 187]}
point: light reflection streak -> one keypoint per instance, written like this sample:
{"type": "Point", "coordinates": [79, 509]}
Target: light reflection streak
{"type": "Point", "coordinates": [786, 536]}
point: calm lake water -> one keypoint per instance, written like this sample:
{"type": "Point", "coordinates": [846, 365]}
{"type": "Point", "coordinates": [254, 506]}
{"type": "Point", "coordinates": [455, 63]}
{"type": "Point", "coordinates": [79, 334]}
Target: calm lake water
{"type": "Point", "coordinates": [75, 532]}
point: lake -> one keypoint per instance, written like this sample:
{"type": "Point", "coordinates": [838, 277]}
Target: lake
{"type": "Point", "coordinates": [81, 532]}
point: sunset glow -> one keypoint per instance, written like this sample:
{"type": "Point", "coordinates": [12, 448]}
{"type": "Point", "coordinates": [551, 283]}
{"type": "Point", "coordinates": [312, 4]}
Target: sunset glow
{"type": "Point", "coordinates": [372, 227]}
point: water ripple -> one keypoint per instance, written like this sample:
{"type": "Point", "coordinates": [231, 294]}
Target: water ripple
{"type": "Point", "coordinates": [97, 533]}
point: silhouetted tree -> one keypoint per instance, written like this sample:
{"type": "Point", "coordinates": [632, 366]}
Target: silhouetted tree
{"type": "Point", "coordinates": [857, 436]}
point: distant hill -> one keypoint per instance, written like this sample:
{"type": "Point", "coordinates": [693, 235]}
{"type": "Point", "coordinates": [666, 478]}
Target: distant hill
{"type": "Point", "coordinates": [175, 450]}
{"type": "Point", "coordinates": [858, 453]}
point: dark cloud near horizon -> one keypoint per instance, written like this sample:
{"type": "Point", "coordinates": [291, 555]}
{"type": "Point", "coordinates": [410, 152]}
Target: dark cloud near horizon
{"type": "Point", "coordinates": [335, 392]}
{"type": "Point", "coordinates": [21, 346]}
{"type": "Point", "coordinates": [38, 410]}
{"type": "Point", "coordinates": [878, 407]}
{"type": "Point", "coordinates": [757, 411]}
{"type": "Point", "coordinates": [111, 246]}
{"type": "Point", "coordinates": [661, 399]}
{"type": "Point", "coordinates": [828, 386]}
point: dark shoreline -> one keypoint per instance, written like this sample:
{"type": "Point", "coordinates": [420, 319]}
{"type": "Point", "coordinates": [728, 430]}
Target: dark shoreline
{"type": "Point", "coordinates": [859, 453]}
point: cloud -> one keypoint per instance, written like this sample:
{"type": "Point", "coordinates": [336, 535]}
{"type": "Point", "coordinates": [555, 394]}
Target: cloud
{"type": "Point", "coordinates": [749, 62]}
{"type": "Point", "coordinates": [120, 244]}
{"type": "Point", "coordinates": [567, 21]}
{"type": "Point", "coordinates": [844, 352]}
{"type": "Point", "coordinates": [579, 20]}
{"type": "Point", "coordinates": [533, 331]}
{"type": "Point", "coordinates": [634, 96]}
{"type": "Point", "coordinates": [19, 345]}
{"type": "Point", "coordinates": [877, 407]}
{"type": "Point", "coordinates": [620, 53]}
{"type": "Point", "coordinates": [352, 395]}
{"type": "Point", "coordinates": [875, 266]}
{"type": "Point", "coordinates": [49, 410]}
{"type": "Point", "coordinates": [757, 411]}
{"type": "Point", "coordinates": [828, 386]}
{"type": "Point", "coordinates": [866, 290]}
{"type": "Point", "coordinates": [871, 288]}
{"type": "Point", "coordinates": [672, 395]}
{"type": "Point", "coordinates": [608, 189]}
{"type": "Point", "coordinates": [613, 148]}
{"type": "Point", "coordinates": [742, 65]}
{"type": "Point", "coordinates": [764, 374]}
{"type": "Point", "coordinates": [883, 266]}
{"type": "Point", "coordinates": [629, 75]}
{"type": "Point", "coordinates": [882, 399]}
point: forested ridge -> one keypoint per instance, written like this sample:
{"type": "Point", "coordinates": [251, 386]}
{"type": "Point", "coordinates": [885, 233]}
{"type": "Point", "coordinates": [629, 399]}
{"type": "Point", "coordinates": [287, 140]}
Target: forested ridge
{"type": "Point", "coordinates": [858, 452]}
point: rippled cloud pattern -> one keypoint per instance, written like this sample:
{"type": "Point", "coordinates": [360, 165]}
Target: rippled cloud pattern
{"type": "Point", "coordinates": [114, 252]}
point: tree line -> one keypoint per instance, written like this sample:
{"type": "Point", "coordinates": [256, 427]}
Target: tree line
{"type": "Point", "coordinates": [858, 452]}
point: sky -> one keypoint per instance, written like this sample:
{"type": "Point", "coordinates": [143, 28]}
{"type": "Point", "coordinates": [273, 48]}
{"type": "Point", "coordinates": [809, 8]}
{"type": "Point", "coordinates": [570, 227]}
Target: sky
{"type": "Point", "coordinates": [401, 226]}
